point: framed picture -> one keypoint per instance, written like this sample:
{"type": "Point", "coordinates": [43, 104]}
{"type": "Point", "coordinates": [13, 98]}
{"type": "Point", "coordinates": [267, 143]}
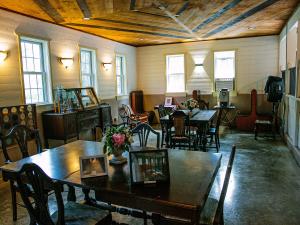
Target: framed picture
{"type": "Point", "coordinates": [149, 166]}
{"type": "Point", "coordinates": [93, 166]}
{"type": "Point", "coordinates": [168, 101]}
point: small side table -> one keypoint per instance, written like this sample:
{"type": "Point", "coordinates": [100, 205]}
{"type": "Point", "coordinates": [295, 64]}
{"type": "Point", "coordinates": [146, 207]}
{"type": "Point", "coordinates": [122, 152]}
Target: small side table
{"type": "Point", "coordinates": [228, 115]}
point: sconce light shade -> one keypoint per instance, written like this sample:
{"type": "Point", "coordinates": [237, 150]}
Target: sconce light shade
{"type": "Point", "coordinates": [67, 62]}
{"type": "Point", "coordinates": [3, 55]}
{"type": "Point", "coordinates": [107, 66]}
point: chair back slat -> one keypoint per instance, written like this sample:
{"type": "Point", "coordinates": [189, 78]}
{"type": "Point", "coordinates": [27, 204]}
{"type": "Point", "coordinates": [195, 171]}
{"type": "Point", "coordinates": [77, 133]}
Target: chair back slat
{"type": "Point", "coordinates": [218, 219]}
{"type": "Point", "coordinates": [143, 130]}
{"type": "Point", "coordinates": [181, 123]}
{"type": "Point", "coordinates": [40, 185]}
{"type": "Point", "coordinates": [21, 134]}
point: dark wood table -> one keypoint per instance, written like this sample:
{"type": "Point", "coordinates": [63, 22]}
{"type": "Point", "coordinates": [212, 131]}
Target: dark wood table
{"type": "Point", "coordinates": [200, 119]}
{"type": "Point", "coordinates": [192, 174]}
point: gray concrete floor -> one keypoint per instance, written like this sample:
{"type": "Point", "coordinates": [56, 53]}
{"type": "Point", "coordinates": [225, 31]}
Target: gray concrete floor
{"type": "Point", "coordinates": [264, 187]}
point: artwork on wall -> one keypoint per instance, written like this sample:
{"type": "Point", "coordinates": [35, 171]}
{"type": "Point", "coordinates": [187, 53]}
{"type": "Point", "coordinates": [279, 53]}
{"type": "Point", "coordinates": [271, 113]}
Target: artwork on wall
{"type": "Point", "coordinates": [168, 101]}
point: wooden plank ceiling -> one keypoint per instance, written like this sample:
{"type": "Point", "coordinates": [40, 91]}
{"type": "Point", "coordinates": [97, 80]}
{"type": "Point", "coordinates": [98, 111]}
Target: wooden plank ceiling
{"type": "Point", "coordinates": [151, 22]}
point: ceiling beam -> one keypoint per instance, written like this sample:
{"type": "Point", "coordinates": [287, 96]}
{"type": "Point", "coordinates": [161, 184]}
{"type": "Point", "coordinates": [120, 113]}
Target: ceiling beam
{"type": "Point", "coordinates": [139, 24]}
{"type": "Point", "coordinates": [50, 10]}
{"type": "Point", "coordinates": [162, 7]}
{"type": "Point", "coordinates": [217, 14]}
{"type": "Point", "coordinates": [128, 30]}
{"type": "Point", "coordinates": [84, 8]}
{"type": "Point", "coordinates": [243, 16]}
{"type": "Point", "coordinates": [183, 8]}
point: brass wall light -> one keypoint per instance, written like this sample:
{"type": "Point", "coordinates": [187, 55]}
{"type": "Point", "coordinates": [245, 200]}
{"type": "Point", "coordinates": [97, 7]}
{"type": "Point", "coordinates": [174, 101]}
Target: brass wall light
{"type": "Point", "coordinates": [107, 66]}
{"type": "Point", "coordinates": [3, 56]}
{"type": "Point", "coordinates": [67, 62]}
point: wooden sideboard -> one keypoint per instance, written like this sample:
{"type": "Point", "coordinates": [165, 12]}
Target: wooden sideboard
{"type": "Point", "coordinates": [64, 126]}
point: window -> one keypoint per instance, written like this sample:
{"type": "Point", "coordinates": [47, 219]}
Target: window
{"type": "Point", "coordinates": [121, 75]}
{"type": "Point", "coordinates": [224, 67]}
{"type": "Point", "coordinates": [36, 72]}
{"type": "Point", "coordinates": [87, 67]}
{"type": "Point", "coordinates": [175, 73]}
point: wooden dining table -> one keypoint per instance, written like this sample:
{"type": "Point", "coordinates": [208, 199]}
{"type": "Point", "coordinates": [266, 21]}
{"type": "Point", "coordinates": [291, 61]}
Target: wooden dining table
{"type": "Point", "coordinates": [192, 174]}
{"type": "Point", "coordinates": [199, 118]}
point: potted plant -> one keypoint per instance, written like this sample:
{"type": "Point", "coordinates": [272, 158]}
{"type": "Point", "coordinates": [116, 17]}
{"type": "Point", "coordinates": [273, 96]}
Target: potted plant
{"type": "Point", "coordinates": [117, 141]}
{"type": "Point", "coordinates": [190, 104]}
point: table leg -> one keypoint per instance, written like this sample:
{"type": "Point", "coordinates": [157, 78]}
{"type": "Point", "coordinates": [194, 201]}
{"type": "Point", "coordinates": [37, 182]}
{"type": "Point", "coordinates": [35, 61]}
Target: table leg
{"type": "Point", "coordinates": [71, 194]}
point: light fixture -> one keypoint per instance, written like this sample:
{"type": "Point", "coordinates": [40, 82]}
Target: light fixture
{"type": "Point", "coordinates": [86, 18]}
{"type": "Point", "coordinates": [198, 64]}
{"type": "Point", "coordinates": [67, 62]}
{"type": "Point", "coordinates": [107, 66]}
{"type": "Point", "coordinates": [3, 55]}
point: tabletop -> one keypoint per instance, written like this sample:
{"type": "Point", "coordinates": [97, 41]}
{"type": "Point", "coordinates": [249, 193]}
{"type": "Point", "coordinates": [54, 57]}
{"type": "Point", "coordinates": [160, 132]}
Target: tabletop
{"type": "Point", "coordinates": [197, 115]}
{"type": "Point", "coordinates": [191, 176]}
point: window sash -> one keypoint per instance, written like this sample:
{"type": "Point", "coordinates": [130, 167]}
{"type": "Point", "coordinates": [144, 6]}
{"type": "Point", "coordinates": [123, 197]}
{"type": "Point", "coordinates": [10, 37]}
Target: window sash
{"type": "Point", "coordinates": [86, 67]}
{"type": "Point", "coordinates": [34, 77]}
{"type": "Point", "coordinates": [120, 75]}
{"type": "Point", "coordinates": [175, 73]}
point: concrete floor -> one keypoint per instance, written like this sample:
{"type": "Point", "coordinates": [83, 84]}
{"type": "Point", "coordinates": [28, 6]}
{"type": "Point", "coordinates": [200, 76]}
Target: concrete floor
{"type": "Point", "coordinates": [264, 187]}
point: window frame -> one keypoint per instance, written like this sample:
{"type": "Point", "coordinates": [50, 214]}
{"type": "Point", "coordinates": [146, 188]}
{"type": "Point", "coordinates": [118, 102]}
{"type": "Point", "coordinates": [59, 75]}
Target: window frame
{"type": "Point", "coordinates": [46, 66]}
{"type": "Point", "coordinates": [94, 66]}
{"type": "Point", "coordinates": [123, 76]}
{"type": "Point", "coordinates": [235, 70]}
{"type": "Point", "coordinates": [184, 74]}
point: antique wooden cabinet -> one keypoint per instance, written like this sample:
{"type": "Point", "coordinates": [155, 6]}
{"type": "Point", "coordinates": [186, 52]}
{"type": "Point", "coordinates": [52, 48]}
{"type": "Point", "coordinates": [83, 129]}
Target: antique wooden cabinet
{"type": "Point", "coordinates": [81, 111]}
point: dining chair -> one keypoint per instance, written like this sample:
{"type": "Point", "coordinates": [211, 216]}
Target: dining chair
{"type": "Point", "coordinates": [162, 112]}
{"type": "Point", "coordinates": [213, 131]}
{"type": "Point", "coordinates": [21, 135]}
{"type": "Point", "coordinates": [127, 118]}
{"type": "Point", "coordinates": [71, 213]}
{"type": "Point", "coordinates": [212, 213]}
{"type": "Point", "coordinates": [143, 130]}
{"type": "Point", "coordinates": [181, 136]}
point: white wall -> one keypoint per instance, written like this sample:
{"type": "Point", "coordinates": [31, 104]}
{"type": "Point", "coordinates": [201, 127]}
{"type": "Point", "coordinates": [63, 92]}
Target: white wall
{"type": "Point", "coordinates": [63, 42]}
{"type": "Point", "coordinates": [256, 58]}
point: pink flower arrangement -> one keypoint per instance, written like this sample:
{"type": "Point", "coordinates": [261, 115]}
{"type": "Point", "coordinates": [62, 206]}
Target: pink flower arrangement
{"type": "Point", "coordinates": [117, 139]}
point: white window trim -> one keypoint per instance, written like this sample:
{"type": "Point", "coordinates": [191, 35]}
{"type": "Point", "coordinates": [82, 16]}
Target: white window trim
{"type": "Point", "coordinates": [172, 93]}
{"type": "Point", "coordinates": [124, 65]}
{"type": "Point", "coordinates": [47, 68]}
{"type": "Point", "coordinates": [234, 91]}
{"type": "Point", "coordinates": [94, 67]}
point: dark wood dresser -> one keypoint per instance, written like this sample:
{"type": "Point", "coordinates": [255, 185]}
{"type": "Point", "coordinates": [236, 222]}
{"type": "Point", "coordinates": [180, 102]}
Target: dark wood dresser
{"type": "Point", "coordinates": [64, 126]}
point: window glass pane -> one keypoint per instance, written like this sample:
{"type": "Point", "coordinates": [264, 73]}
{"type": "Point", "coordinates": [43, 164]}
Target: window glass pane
{"type": "Point", "coordinates": [34, 95]}
{"type": "Point", "coordinates": [28, 96]}
{"type": "Point", "coordinates": [26, 81]}
{"type": "Point", "coordinates": [175, 73]}
{"type": "Point", "coordinates": [39, 81]}
{"type": "Point", "coordinates": [28, 49]}
{"type": "Point", "coordinates": [41, 95]}
{"type": "Point", "coordinates": [87, 73]}
{"type": "Point", "coordinates": [37, 65]}
{"type": "Point", "coordinates": [30, 66]}
{"type": "Point", "coordinates": [33, 82]}
{"type": "Point", "coordinates": [119, 85]}
{"type": "Point", "coordinates": [36, 51]}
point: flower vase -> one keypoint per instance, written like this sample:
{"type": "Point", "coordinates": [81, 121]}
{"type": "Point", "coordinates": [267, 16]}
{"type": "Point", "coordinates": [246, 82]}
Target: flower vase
{"type": "Point", "coordinates": [191, 113]}
{"type": "Point", "coordinates": [117, 157]}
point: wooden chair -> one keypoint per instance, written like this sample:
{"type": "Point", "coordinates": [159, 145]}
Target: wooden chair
{"type": "Point", "coordinates": [203, 105]}
{"type": "Point", "coordinates": [129, 118]}
{"type": "Point", "coordinates": [21, 134]}
{"type": "Point", "coordinates": [143, 130]}
{"type": "Point", "coordinates": [182, 136]}
{"type": "Point", "coordinates": [70, 214]}
{"type": "Point", "coordinates": [212, 214]}
{"type": "Point", "coordinates": [162, 112]}
{"type": "Point", "coordinates": [213, 131]}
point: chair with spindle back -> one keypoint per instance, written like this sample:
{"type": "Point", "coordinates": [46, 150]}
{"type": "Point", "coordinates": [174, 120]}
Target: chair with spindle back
{"type": "Point", "coordinates": [21, 135]}
{"type": "Point", "coordinates": [212, 214]}
{"type": "Point", "coordinates": [143, 130]}
{"type": "Point", "coordinates": [161, 113]}
{"type": "Point", "coordinates": [69, 214]}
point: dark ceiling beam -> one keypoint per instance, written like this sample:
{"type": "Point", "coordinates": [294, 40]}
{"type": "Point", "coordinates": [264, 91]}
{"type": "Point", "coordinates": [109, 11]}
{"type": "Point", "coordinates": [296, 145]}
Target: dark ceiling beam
{"type": "Point", "coordinates": [50, 10]}
{"type": "Point", "coordinates": [132, 4]}
{"type": "Point", "coordinates": [127, 30]}
{"type": "Point", "coordinates": [140, 25]}
{"type": "Point", "coordinates": [243, 16]}
{"type": "Point", "coordinates": [84, 8]}
{"type": "Point", "coordinates": [217, 14]}
{"type": "Point", "coordinates": [183, 8]}
{"type": "Point", "coordinates": [151, 14]}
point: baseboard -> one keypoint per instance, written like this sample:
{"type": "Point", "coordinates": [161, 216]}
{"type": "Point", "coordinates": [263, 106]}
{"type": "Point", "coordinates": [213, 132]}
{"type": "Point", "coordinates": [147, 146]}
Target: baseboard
{"type": "Point", "coordinates": [295, 151]}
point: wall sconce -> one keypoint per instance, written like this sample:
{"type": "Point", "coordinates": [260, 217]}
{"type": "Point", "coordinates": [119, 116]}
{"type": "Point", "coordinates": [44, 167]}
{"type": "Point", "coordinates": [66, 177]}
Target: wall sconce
{"type": "Point", "coordinates": [3, 55]}
{"type": "Point", "coordinates": [107, 66]}
{"type": "Point", "coordinates": [67, 62]}
{"type": "Point", "coordinates": [198, 64]}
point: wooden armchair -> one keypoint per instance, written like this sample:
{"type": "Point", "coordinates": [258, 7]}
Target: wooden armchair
{"type": "Point", "coordinates": [129, 118]}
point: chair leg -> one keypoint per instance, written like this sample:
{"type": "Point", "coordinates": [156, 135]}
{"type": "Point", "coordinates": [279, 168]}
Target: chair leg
{"type": "Point", "coordinates": [217, 143]}
{"type": "Point", "coordinates": [13, 200]}
{"type": "Point", "coordinates": [163, 138]}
